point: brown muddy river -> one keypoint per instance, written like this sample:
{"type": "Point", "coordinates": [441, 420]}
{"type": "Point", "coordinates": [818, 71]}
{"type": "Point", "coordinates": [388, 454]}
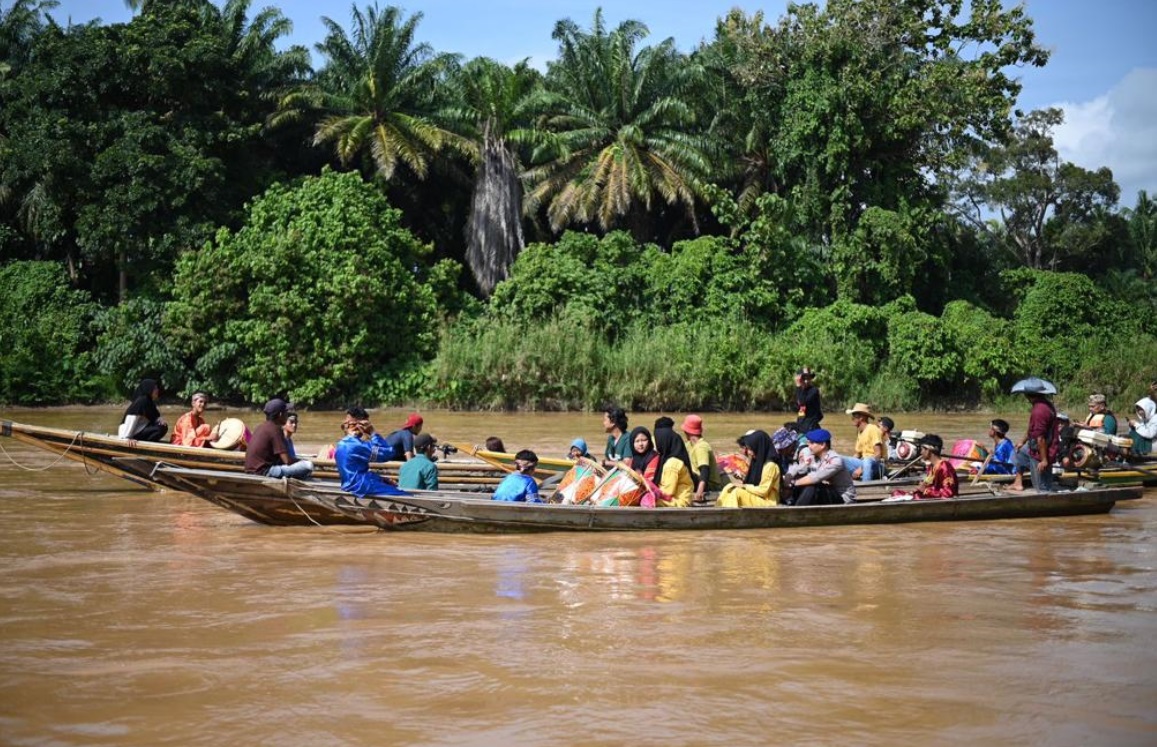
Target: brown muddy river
{"type": "Point", "coordinates": [135, 618]}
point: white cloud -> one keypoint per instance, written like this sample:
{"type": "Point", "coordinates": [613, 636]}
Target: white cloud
{"type": "Point", "coordinates": [1117, 129]}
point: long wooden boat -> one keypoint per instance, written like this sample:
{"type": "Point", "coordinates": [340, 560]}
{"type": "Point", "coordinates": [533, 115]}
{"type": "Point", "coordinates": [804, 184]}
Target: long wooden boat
{"type": "Point", "coordinates": [272, 501]}
{"type": "Point", "coordinates": [136, 460]}
{"type": "Point", "coordinates": [435, 513]}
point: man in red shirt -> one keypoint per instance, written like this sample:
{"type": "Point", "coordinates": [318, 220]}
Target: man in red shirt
{"type": "Point", "coordinates": [267, 453]}
{"type": "Point", "coordinates": [1038, 449]}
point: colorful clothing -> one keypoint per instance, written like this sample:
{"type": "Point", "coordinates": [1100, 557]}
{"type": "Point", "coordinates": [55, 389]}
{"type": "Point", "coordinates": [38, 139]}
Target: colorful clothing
{"type": "Point", "coordinates": [518, 488]}
{"type": "Point", "coordinates": [703, 456]}
{"type": "Point", "coordinates": [747, 495]}
{"type": "Point", "coordinates": [191, 430]}
{"type": "Point", "coordinates": [1002, 458]}
{"type": "Point", "coordinates": [1105, 422]}
{"type": "Point", "coordinates": [419, 473]}
{"type": "Point", "coordinates": [675, 487]}
{"type": "Point", "coordinates": [939, 482]}
{"type": "Point", "coordinates": [353, 457]}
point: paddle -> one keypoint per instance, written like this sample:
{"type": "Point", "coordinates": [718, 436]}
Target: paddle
{"type": "Point", "coordinates": [902, 469]}
{"type": "Point", "coordinates": [979, 472]}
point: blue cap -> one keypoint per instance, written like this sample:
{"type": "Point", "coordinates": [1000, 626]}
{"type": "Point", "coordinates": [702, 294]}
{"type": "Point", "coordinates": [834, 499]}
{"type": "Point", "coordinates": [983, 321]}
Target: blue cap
{"type": "Point", "coordinates": [819, 435]}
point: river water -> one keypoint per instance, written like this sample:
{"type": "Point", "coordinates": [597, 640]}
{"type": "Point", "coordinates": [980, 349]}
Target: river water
{"type": "Point", "coordinates": [136, 618]}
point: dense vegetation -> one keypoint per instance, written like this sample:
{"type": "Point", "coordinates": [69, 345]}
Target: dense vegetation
{"type": "Point", "coordinates": [184, 197]}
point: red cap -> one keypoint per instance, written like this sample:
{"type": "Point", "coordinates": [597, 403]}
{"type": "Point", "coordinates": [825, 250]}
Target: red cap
{"type": "Point", "coordinates": [413, 421]}
{"type": "Point", "coordinates": [692, 425]}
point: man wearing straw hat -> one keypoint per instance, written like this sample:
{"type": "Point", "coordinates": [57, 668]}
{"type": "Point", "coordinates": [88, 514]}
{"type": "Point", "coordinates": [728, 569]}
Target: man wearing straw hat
{"type": "Point", "coordinates": [868, 462]}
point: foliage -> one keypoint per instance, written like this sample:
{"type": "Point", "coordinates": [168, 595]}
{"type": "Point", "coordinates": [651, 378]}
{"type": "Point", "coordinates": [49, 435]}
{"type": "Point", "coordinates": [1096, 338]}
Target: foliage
{"type": "Point", "coordinates": [44, 335]}
{"type": "Point", "coordinates": [1051, 210]}
{"type": "Point", "coordinates": [989, 356]}
{"type": "Point", "coordinates": [617, 140]}
{"type": "Point", "coordinates": [311, 297]}
{"type": "Point", "coordinates": [131, 345]}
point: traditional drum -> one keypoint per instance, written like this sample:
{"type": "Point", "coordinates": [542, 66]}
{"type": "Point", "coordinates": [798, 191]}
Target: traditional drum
{"type": "Point", "coordinates": [230, 434]}
{"type": "Point", "coordinates": [579, 482]}
{"type": "Point", "coordinates": [966, 450]}
{"type": "Point", "coordinates": [620, 487]}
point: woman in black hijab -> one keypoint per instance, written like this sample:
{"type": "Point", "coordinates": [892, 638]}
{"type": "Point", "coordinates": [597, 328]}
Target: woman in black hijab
{"type": "Point", "coordinates": [144, 405]}
{"type": "Point", "coordinates": [670, 444]}
{"type": "Point", "coordinates": [644, 458]}
{"type": "Point", "coordinates": [760, 487]}
{"type": "Point", "coordinates": [676, 488]}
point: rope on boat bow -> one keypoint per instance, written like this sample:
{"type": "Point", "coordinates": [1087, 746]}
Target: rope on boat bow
{"type": "Point", "coordinates": [63, 455]}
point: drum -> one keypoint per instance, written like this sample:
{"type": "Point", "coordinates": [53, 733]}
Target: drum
{"type": "Point", "coordinates": [579, 482]}
{"type": "Point", "coordinates": [966, 450]}
{"type": "Point", "coordinates": [618, 488]}
{"type": "Point", "coordinates": [733, 464]}
{"type": "Point", "coordinates": [230, 434]}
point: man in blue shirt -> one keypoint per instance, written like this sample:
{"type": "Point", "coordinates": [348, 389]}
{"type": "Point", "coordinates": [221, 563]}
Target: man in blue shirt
{"type": "Point", "coordinates": [520, 486]}
{"type": "Point", "coordinates": [1003, 450]}
{"type": "Point", "coordinates": [402, 440]}
{"type": "Point", "coordinates": [354, 453]}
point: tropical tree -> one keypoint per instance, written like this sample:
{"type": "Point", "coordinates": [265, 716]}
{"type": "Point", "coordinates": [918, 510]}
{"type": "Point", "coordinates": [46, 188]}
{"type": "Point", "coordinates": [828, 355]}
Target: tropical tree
{"type": "Point", "coordinates": [492, 114]}
{"type": "Point", "coordinates": [1142, 219]}
{"type": "Point", "coordinates": [378, 93]}
{"type": "Point", "coordinates": [618, 133]}
{"type": "Point", "coordinates": [1049, 208]}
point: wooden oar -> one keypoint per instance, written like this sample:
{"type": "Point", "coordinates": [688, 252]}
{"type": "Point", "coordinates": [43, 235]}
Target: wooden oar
{"type": "Point", "coordinates": [901, 470]}
{"type": "Point", "coordinates": [983, 466]}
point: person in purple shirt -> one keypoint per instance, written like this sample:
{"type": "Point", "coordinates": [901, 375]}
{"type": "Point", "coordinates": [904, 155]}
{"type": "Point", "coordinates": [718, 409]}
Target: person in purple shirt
{"type": "Point", "coordinates": [1038, 450]}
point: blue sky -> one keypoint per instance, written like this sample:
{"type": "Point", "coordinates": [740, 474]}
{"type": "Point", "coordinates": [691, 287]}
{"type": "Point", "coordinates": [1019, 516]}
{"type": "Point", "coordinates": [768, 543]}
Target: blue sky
{"type": "Point", "coordinates": [1103, 69]}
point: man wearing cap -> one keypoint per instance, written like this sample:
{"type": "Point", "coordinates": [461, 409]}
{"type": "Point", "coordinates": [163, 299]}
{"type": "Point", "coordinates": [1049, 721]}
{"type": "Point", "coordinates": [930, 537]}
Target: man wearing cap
{"type": "Point", "coordinates": [402, 440]}
{"type": "Point", "coordinates": [807, 401]}
{"type": "Point", "coordinates": [824, 479]}
{"type": "Point", "coordinates": [362, 446]}
{"type": "Point", "coordinates": [704, 468]}
{"type": "Point", "coordinates": [420, 473]}
{"type": "Point", "coordinates": [267, 453]}
{"type": "Point", "coordinates": [1101, 418]}
{"type": "Point", "coordinates": [868, 462]}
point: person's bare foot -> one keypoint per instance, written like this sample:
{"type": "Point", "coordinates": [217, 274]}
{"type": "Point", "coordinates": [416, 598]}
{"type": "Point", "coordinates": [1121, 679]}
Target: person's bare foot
{"type": "Point", "coordinates": [1015, 487]}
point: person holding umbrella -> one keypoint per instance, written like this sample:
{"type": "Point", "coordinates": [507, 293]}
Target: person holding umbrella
{"type": "Point", "coordinates": [1038, 449]}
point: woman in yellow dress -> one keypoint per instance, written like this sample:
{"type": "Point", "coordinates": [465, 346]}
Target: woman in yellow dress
{"type": "Point", "coordinates": [675, 485]}
{"type": "Point", "coordinates": [761, 485]}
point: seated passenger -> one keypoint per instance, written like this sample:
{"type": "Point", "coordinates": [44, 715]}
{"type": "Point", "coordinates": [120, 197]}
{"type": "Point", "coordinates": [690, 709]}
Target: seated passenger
{"type": "Point", "coordinates": [267, 453]}
{"type": "Point", "coordinates": [644, 459]}
{"type": "Point", "coordinates": [675, 486]}
{"type": "Point", "coordinates": [760, 487]}
{"type": "Point", "coordinates": [494, 443]}
{"type": "Point", "coordinates": [142, 420]}
{"type": "Point", "coordinates": [940, 480]}
{"type": "Point", "coordinates": [1003, 449]}
{"type": "Point", "coordinates": [578, 449]}
{"type": "Point", "coordinates": [354, 453]}
{"type": "Point", "coordinates": [822, 479]}
{"type": "Point", "coordinates": [420, 473]}
{"type": "Point", "coordinates": [402, 440]}
{"type": "Point", "coordinates": [520, 486]}
{"type": "Point", "coordinates": [704, 467]}
{"type": "Point", "coordinates": [1143, 430]}
{"type": "Point", "coordinates": [191, 428]}
{"type": "Point", "coordinates": [867, 463]}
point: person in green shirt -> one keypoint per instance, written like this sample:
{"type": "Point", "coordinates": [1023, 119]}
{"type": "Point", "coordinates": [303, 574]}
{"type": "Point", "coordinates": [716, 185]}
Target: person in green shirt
{"type": "Point", "coordinates": [704, 469]}
{"type": "Point", "coordinates": [618, 438]}
{"type": "Point", "coordinates": [420, 472]}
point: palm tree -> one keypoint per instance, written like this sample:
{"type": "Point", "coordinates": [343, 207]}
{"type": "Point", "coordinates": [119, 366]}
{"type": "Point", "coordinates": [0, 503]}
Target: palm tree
{"type": "Point", "coordinates": [492, 113]}
{"type": "Point", "coordinates": [18, 26]}
{"type": "Point", "coordinates": [617, 130]}
{"type": "Point", "coordinates": [378, 92]}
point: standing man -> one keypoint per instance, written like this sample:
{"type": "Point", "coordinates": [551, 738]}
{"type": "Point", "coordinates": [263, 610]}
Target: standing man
{"type": "Point", "coordinates": [402, 440]}
{"type": "Point", "coordinates": [420, 473]}
{"type": "Point", "coordinates": [1038, 450]}
{"type": "Point", "coordinates": [618, 439]}
{"type": "Point", "coordinates": [704, 468]}
{"type": "Point", "coordinates": [807, 401]}
{"type": "Point", "coordinates": [868, 462]}
{"type": "Point", "coordinates": [268, 453]}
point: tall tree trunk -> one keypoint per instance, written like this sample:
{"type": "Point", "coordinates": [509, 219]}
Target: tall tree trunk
{"type": "Point", "coordinates": [122, 275]}
{"type": "Point", "coordinates": [494, 232]}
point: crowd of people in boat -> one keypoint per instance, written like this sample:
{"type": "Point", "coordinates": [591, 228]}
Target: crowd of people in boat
{"type": "Point", "coordinates": [794, 465]}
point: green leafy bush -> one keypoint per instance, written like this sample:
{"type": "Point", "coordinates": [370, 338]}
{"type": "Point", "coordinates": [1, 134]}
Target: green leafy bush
{"type": "Point", "coordinates": [45, 337]}
{"type": "Point", "coordinates": [131, 345]}
{"type": "Point", "coordinates": [313, 296]}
